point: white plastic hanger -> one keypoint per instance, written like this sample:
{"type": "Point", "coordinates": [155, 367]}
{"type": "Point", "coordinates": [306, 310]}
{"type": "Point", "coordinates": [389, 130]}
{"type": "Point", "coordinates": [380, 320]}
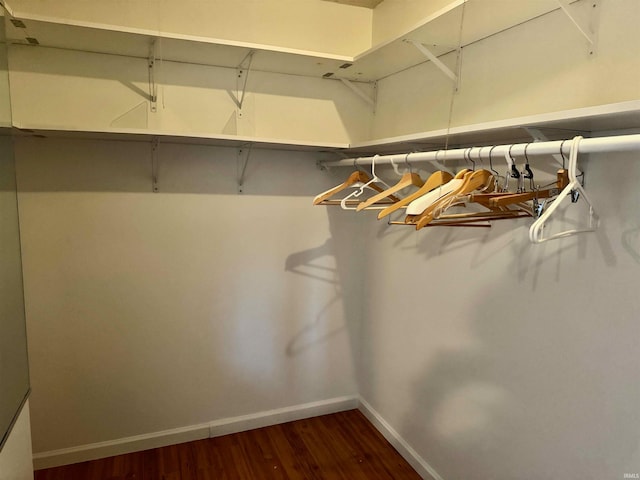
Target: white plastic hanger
{"type": "Point", "coordinates": [537, 229]}
{"type": "Point", "coordinates": [407, 179]}
{"type": "Point", "coordinates": [344, 204]}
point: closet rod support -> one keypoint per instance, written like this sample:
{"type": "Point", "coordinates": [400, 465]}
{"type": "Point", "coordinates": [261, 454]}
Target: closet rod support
{"type": "Point", "coordinates": [436, 61]}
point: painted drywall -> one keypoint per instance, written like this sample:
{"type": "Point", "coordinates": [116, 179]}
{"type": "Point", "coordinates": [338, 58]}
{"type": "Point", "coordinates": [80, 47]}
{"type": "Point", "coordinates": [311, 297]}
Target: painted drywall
{"type": "Point", "coordinates": [312, 25]}
{"type": "Point", "coordinates": [120, 281]}
{"type": "Point", "coordinates": [540, 66]}
{"type": "Point", "coordinates": [496, 358]}
{"type": "Point", "coordinates": [393, 18]}
{"type": "Point", "coordinates": [5, 103]}
{"type": "Point", "coordinates": [78, 90]}
{"type": "Point", "coordinates": [148, 312]}
{"type": "Point", "coordinates": [416, 100]}
{"type": "Point", "coordinates": [15, 457]}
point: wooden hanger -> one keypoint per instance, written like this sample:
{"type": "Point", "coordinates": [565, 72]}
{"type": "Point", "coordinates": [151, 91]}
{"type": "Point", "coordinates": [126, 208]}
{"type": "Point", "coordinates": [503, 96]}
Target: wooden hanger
{"type": "Point", "coordinates": [408, 179]}
{"type": "Point", "coordinates": [351, 201]}
{"type": "Point", "coordinates": [496, 210]}
{"type": "Point", "coordinates": [357, 179]}
{"type": "Point", "coordinates": [435, 180]}
{"type": "Point", "coordinates": [497, 202]}
{"type": "Point", "coordinates": [471, 181]}
{"type": "Point", "coordinates": [419, 205]}
{"type": "Point", "coordinates": [422, 204]}
{"type": "Point", "coordinates": [504, 199]}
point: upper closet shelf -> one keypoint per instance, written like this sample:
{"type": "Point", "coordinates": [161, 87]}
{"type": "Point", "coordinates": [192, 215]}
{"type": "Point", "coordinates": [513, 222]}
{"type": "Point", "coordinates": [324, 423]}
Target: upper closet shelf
{"type": "Point", "coordinates": [555, 125]}
{"type": "Point", "coordinates": [193, 138]}
{"type": "Point", "coordinates": [458, 23]}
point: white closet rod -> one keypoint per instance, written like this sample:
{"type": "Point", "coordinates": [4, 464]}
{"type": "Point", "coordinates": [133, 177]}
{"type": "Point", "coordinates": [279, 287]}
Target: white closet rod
{"type": "Point", "coordinates": [620, 143]}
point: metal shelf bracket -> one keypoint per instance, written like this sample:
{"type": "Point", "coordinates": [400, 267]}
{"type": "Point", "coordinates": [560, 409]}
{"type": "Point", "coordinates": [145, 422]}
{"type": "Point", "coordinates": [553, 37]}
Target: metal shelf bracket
{"type": "Point", "coordinates": [242, 76]}
{"type": "Point", "coordinates": [436, 61]}
{"type": "Point", "coordinates": [153, 87]}
{"type": "Point", "coordinates": [355, 89]}
{"type": "Point", "coordinates": [155, 145]}
{"type": "Point", "coordinates": [586, 26]}
{"type": "Point", "coordinates": [243, 160]}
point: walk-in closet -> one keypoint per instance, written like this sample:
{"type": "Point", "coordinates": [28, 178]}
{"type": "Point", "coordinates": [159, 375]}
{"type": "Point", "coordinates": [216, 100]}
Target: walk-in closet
{"type": "Point", "coordinates": [411, 219]}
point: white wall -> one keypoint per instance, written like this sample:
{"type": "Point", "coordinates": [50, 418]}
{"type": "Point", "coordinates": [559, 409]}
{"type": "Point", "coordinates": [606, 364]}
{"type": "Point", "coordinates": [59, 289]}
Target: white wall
{"type": "Point", "coordinates": [15, 457]}
{"type": "Point", "coordinates": [495, 358]}
{"type": "Point", "coordinates": [491, 357]}
{"type": "Point", "coordinates": [392, 18]}
{"type": "Point", "coordinates": [149, 312]}
{"type": "Point", "coordinates": [312, 25]}
{"type": "Point", "coordinates": [5, 101]}
{"type": "Point", "coordinates": [540, 66]}
{"type": "Point", "coordinates": [415, 100]}
{"type": "Point", "coordinates": [77, 90]}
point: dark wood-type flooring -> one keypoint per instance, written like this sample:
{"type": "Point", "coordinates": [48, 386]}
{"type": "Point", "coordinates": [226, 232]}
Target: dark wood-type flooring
{"type": "Point", "coordinates": [341, 446]}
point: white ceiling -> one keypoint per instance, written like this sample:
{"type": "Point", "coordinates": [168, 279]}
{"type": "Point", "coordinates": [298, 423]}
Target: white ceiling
{"type": "Point", "coordinates": [358, 3]}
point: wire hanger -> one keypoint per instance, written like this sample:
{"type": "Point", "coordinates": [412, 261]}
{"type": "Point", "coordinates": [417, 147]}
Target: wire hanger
{"type": "Point", "coordinates": [512, 170]}
{"type": "Point", "coordinates": [528, 174]}
{"type": "Point", "coordinates": [496, 174]}
{"type": "Point", "coordinates": [467, 157]}
{"type": "Point", "coordinates": [562, 154]}
{"type": "Point", "coordinates": [537, 229]}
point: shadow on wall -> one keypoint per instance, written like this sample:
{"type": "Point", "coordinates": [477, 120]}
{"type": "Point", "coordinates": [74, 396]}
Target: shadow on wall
{"type": "Point", "coordinates": [309, 263]}
{"type": "Point", "coordinates": [547, 384]}
{"type": "Point", "coordinates": [198, 265]}
{"type": "Point", "coordinates": [63, 165]}
{"type": "Point", "coordinates": [218, 87]}
{"type": "Point", "coordinates": [536, 397]}
{"type": "Point", "coordinates": [339, 262]}
{"type": "Point", "coordinates": [133, 73]}
{"type": "Point", "coordinates": [631, 243]}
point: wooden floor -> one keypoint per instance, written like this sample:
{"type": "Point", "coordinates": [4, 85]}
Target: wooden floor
{"type": "Point", "coordinates": [341, 446]}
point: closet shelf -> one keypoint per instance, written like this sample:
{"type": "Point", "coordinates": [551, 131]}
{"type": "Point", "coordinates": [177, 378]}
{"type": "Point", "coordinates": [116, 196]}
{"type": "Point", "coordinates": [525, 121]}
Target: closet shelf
{"type": "Point", "coordinates": [192, 138]}
{"type": "Point", "coordinates": [441, 32]}
{"type": "Point", "coordinates": [555, 125]}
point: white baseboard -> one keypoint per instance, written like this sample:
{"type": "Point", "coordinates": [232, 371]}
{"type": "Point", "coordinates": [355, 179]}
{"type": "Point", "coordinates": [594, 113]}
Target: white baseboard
{"type": "Point", "coordinates": [93, 451]}
{"type": "Point", "coordinates": [425, 470]}
{"type": "Point", "coordinates": [281, 415]}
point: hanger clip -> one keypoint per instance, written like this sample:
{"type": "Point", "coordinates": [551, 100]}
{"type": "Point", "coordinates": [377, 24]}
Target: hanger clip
{"type": "Point", "coordinates": [575, 196]}
{"type": "Point", "coordinates": [528, 174]}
